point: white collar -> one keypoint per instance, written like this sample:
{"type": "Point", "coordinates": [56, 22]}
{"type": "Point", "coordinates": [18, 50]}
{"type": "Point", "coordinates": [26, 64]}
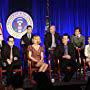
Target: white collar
{"type": "Point", "coordinates": [79, 35]}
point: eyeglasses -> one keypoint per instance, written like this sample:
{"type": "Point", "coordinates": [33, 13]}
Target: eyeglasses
{"type": "Point", "coordinates": [10, 41]}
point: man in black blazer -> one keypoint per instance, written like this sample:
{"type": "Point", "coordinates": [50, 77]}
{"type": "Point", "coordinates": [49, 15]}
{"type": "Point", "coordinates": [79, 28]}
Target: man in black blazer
{"type": "Point", "coordinates": [11, 58]}
{"type": "Point", "coordinates": [26, 40]}
{"type": "Point", "coordinates": [52, 34]}
{"type": "Point", "coordinates": [51, 40]}
{"type": "Point", "coordinates": [66, 54]}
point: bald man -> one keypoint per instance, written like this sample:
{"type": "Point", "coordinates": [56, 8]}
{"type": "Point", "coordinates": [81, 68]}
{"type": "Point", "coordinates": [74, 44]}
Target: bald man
{"type": "Point", "coordinates": [51, 40]}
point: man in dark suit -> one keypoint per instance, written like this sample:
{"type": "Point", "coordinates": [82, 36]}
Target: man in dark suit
{"type": "Point", "coordinates": [26, 40]}
{"type": "Point", "coordinates": [11, 59]}
{"type": "Point", "coordinates": [51, 40]}
{"type": "Point", "coordinates": [66, 54]}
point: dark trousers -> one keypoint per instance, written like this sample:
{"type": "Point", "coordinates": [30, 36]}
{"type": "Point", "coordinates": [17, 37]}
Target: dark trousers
{"type": "Point", "coordinates": [25, 60]}
{"type": "Point", "coordinates": [68, 73]}
{"type": "Point", "coordinates": [53, 61]}
{"type": "Point", "coordinates": [80, 55]}
{"type": "Point", "coordinates": [9, 71]}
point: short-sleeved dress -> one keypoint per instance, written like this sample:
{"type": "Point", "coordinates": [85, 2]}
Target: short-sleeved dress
{"type": "Point", "coordinates": [35, 53]}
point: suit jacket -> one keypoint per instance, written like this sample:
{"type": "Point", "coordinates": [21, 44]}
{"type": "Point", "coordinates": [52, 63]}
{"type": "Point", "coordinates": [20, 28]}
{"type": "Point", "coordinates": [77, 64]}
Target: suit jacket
{"type": "Point", "coordinates": [78, 42]}
{"type": "Point", "coordinates": [71, 50]}
{"type": "Point", "coordinates": [48, 39]}
{"type": "Point", "coordinates": [65, 62]}
{"type": "Point", "coordinates": [6, 53]}
{"type": "Point", "coordinates": [59, 52]}
{"type": "Point", "coordinates": [26, 40]}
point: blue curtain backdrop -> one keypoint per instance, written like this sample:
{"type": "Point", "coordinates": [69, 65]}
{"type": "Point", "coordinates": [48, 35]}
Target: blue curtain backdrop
{"type": "Point", "coordinates": [35, 8]}
{"type": "Point", "coordinates": [68, 14]}
{"type": "Point", "coordinates": [64, 14]}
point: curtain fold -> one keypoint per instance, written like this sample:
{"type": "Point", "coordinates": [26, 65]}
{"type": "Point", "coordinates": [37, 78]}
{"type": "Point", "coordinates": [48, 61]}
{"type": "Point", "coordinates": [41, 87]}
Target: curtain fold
{"type": "Point", "coordinates": [64, 14]}
{"type": "Point", "coordinates": [68, 14]}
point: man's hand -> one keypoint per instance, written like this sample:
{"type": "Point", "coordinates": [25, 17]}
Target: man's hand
{"type": "Point", "coordinates": [22, 42]}
{"type": "Point", "coordinates": [67, 56]}
{"type": "Point", "coordinates": [78, 48]}
{"type": "Point", "coordinates": [9, 61]}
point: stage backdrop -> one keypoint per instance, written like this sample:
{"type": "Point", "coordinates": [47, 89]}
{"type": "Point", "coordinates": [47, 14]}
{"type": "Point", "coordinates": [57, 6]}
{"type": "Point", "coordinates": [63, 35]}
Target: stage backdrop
{"type": "Point", "coordinates": [64, 14]}
{"type": "Point", "coordinates": [68, 14]}
{"type": "Point", "coordinates": [35, 8]}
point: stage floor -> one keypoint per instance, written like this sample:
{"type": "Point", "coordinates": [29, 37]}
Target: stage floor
{"type": "Point", "coordinates": [58, 85]}
{"type": "Point", "coordinates": [72, 85]}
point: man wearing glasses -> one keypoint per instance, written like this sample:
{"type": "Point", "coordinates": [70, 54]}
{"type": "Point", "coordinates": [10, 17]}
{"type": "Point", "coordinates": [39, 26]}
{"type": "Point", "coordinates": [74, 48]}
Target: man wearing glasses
{"type": "Point", "coordinates": [11, 59]}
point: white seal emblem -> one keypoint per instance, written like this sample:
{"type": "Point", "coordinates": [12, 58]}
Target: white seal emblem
{"type": "Point", "coordinates": [17, 22]}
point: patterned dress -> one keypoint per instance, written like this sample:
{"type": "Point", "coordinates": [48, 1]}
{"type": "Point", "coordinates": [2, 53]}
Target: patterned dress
{"type": "Point", "coordinates": [35, 53]}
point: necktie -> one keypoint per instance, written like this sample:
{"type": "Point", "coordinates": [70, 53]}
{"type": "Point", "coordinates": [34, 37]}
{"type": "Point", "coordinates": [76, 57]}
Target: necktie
{"type": "Point", "coordinates": [11, 55]}
{"type": "Point", "coordinates": [29, 36]}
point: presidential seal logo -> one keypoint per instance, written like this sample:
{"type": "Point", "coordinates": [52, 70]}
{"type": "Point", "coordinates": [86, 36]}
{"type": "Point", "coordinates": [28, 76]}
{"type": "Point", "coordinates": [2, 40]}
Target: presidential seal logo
{"type": "Point", "coordinates": [17, 22]}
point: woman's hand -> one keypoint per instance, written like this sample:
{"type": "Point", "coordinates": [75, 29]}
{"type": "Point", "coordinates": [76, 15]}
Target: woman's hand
{"type": "Point", "coordinates": [39, 63]}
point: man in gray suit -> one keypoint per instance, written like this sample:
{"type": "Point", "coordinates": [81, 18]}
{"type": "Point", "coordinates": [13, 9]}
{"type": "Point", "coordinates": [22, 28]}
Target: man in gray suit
{"type": "Point", "coordinates": [79, 43]}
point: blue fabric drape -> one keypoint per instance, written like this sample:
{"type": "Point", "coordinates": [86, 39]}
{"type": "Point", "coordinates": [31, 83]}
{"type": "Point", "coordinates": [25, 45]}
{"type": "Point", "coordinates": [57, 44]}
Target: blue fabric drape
{"type": "Point", "coordinates": [35, 8]}
{"type": "Point", "coordinates": [39, 17]}
{"type": "Point", "coordinates": [68, 14]}
{"type": "Point", "coordinates": [64, 14]}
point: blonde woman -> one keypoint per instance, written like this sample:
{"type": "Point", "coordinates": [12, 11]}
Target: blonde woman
{"type": "Point", "coordinates": [36, 54]}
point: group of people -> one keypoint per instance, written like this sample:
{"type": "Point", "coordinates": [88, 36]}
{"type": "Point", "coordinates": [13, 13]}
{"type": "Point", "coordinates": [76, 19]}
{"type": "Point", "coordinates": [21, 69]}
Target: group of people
{"type": "Point", "coordinates": [69, 50]}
